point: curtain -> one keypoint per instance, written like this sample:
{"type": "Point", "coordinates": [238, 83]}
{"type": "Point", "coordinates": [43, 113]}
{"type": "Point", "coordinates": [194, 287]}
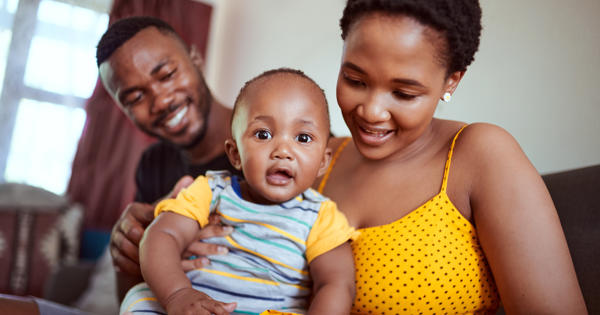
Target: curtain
{"type": "Point", "coordinates": [102, 178]}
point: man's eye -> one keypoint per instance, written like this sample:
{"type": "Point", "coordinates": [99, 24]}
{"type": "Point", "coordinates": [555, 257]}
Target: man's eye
{"type": "Point", "coordinates": [130, 101]}
{"type": "Point", "coordinates": [168, 75]}
{"type": "Point", "coordinates": [263, 135]}
{"type": "Point", "coordinates": [304, 138]}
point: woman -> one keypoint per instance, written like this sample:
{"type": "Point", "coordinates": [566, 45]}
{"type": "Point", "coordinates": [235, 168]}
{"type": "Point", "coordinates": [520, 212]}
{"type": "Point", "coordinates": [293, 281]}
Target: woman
{"type": "Point", "coordinates": [451, 215]}
{"type": "Point", "coordinates": [454, 218]}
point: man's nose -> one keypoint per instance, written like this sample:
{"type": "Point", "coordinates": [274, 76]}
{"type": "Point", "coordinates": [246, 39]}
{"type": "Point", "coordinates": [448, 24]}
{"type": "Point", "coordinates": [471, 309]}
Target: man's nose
{"type": "Point", "coordinates": [163, 99]}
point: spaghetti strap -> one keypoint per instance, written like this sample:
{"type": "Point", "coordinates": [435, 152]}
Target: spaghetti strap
{"type": "Point", "coordinates": [447, 167]}
{"type": "Point", "coordinates": [337, 153]}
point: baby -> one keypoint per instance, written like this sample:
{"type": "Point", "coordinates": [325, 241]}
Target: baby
{"type": "Point", "coordinates": [282, 228]}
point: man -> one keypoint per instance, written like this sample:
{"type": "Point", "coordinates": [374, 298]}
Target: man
{"type": "Point", "coordinates": [158, 83]}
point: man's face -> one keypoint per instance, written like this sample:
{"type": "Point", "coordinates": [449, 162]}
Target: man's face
{"type": "Point", "coordinates": [281, 131]}
{"type": "Point", "coordinates": [156, 82]}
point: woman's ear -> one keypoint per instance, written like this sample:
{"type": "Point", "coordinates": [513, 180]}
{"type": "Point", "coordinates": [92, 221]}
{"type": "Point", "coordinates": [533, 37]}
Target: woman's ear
{"type": "Point", "coordinates": [325, 162]}
{"type": "Point", "coordinates": [197, 58]}
{"type": "Point", "coordinates": [233, 154]}
{"type": "Point", "coordinates": [452, 82]}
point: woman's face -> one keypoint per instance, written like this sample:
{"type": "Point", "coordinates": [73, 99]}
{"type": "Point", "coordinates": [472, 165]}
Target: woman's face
{"type": "Point", "coordinates": [390, 82]}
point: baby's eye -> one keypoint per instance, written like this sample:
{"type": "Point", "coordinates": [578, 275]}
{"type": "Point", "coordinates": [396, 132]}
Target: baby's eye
{"type": "Point", "coordinates": [304, 138]}
{"type": "Point", "coordinates": [263, 134]}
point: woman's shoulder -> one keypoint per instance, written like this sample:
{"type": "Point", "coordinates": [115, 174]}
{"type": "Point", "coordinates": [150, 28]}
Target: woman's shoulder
{"type": "Point", "coordinates": [485, 149]}
{"type": "Point", "coordinates": [485, 139]}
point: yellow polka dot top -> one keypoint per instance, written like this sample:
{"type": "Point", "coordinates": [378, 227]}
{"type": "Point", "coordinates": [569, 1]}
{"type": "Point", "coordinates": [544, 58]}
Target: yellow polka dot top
{"type": "Point", "coordinates": [427, 262]}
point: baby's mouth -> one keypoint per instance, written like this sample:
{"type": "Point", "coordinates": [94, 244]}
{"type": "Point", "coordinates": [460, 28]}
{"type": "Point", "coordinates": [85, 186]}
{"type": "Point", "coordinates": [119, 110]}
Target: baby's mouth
{"type": "Point", "coordinates": [279, 176]}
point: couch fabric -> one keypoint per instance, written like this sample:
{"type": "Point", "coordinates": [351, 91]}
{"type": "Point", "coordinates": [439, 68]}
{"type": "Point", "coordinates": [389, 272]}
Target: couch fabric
{"type": "Point", "coordinates": [576, 196]}
{"type": "Point", "coordinates": [39, 232]}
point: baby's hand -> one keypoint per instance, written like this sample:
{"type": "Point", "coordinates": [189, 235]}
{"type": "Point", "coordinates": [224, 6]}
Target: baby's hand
{"type": "Point", "coordinates": [189, 301]}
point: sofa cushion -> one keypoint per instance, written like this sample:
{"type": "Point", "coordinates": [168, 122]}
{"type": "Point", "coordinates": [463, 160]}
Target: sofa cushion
{"type": "Point", "coordinates": [575, 195]}
{"type": "Point", "coordinates": [39, 231]}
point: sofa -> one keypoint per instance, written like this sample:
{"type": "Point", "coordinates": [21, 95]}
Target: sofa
{"type": "Point", "coordinates": [574, 194]}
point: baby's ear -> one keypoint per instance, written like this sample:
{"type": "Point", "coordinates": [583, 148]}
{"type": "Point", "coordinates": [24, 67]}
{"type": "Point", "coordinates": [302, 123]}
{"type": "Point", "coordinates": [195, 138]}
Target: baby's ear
{"type": "Point", "coordinates": [233, 154]}
{"type": "Point", "coordinates": [325, 161]}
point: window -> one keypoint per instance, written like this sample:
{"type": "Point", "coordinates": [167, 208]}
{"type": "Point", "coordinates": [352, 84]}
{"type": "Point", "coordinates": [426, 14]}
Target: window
{"type": "Point", "coordinates": [49, 71]}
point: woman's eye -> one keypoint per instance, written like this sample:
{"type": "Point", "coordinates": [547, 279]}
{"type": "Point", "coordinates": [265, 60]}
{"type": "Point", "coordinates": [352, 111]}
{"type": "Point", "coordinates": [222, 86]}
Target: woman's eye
{"type": "Point", "coordinates": [263, 135]}
{"type": "Point", "coordinates": [304, 138]}
{"type": "Point", "coordinates": [403, 96]}
{"type": "Point", "coordinates": [352, 81]}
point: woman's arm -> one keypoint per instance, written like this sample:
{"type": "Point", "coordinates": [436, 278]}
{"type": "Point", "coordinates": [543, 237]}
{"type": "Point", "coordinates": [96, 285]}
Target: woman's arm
{"type": "Point", "coordinates": [518, 227]}
{"type": "Point", "coordinates": [160, 252]}
{"type": "Point", "coordinates": [333, 281]}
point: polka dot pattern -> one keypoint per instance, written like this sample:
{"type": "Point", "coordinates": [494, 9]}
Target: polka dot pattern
{"type": "Point", "coordinates": [428, 262]}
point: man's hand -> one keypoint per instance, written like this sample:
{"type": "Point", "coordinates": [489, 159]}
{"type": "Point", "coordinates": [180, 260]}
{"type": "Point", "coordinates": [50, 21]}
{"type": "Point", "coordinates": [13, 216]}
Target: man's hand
{"type": "Point", "coordinates": [189, 301]}
{"type": "Point", "coordinates": [200, 249]}
{"type": "Point", "coordinates": [129, 229]}
{"type": "Point", "coordinates": [126, 235]}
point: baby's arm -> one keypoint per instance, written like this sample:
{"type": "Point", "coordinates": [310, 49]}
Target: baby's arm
{"type": "Point", "coordinates": [333, 281]}
{"type": "Point", "coordinates": [160, 252]}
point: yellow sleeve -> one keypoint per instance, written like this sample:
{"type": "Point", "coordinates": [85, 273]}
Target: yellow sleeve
{"type": "Point", "coordinates": [330, 230]}
{"type": "Point", "coordinates": [192, 202]}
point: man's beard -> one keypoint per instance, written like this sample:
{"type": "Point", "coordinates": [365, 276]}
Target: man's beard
{"type": "Point", "coordinates": [202, 133]}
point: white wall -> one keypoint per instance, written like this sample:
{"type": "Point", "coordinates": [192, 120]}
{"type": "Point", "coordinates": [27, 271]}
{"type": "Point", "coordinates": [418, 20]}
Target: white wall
{"type": "Point", "coordinates": [536, 74]}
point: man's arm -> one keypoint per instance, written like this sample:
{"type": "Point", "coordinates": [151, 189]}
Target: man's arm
{"type": "Point", "coordinates": [333, 281]}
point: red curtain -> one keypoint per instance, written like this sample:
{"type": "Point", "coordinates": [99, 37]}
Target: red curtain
{"type": "Point", "coordinates": [103, 171]}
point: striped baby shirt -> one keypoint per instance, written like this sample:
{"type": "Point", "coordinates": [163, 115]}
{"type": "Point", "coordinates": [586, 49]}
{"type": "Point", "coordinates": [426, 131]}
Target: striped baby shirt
{"type": "Point", "coordinates": [269, 250]}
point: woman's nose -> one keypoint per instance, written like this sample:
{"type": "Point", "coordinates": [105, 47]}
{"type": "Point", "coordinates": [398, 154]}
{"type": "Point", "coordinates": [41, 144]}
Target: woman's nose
{"type": "Point", "coordinates": [374, 109]}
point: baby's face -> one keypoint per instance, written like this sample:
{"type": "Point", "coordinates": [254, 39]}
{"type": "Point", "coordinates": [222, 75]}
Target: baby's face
{"type": "Point", "coordinates": [280, 138]}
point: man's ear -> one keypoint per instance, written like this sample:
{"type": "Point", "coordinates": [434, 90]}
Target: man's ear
{"type": "Point", "coordinates": [197, 58]}
{"type": "Point", "coordinates": [325, 162]}
{"type": "Point", "coordinates": [233, 154]}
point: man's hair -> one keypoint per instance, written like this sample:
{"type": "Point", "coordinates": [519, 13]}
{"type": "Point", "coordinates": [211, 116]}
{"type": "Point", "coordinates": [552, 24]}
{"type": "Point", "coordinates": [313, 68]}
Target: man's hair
{"type": "Point", "coordinates": [279, 71]}
{"type": "Point", "coordinates": [122, 30]}
{"type": "Point", "coordinates": [458, 21]}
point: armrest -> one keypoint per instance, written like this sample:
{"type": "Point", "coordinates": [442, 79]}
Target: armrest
{"type": "Point", "coordinates": [68, 282]}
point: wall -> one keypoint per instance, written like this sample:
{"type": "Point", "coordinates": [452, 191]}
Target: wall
{"type": "Point", "coordinates": [535, 74]}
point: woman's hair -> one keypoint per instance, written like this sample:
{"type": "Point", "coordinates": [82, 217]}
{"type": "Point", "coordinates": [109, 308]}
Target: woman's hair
{"type": "Point", "coordinates": [458, 21]}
